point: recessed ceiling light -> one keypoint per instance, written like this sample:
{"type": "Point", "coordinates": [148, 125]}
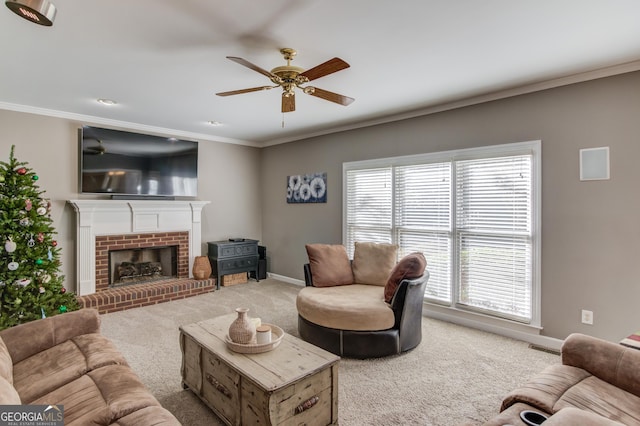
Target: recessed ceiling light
{"type": "Point", "coordinates": [214, 123]}
{"type": "Point", "coordinates": [39, 12]}
{"type": "Point", "coordinates": [107, 102]}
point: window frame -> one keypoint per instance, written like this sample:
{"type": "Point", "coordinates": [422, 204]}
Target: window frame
{"type": "Point", "coordinates": [529, 147]}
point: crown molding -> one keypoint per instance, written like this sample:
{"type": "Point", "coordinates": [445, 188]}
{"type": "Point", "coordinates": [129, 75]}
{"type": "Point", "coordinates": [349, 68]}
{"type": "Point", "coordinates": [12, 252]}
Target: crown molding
{"type": "Point", "coordinates": [92, 120]}
{"type": "Point", "coordinates": [475, 100]}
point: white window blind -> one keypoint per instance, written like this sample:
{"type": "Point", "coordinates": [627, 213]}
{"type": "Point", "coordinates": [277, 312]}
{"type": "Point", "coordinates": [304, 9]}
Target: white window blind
{"type": "Point", "coordinates": [423, 221]}
{"type": "Point", "coordinates": [473, 213]}
{"type": "Point", "coordinates": [493, 228]}
{"type": "Point", "coordinates": [369, 206]}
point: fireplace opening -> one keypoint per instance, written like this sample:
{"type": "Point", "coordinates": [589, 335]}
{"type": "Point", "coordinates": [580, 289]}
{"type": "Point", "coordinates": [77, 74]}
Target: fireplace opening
{"type": "Point", "coordinates": [140, 265]}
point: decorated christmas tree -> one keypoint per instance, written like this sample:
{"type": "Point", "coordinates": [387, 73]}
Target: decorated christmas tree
{"type": "Point", "coordinates": [30, 284]}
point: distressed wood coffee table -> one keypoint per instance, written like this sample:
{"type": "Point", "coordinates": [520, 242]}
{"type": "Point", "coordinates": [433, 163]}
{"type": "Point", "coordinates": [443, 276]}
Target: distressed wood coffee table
{"type": "Point", "coordinates": [295, 383]}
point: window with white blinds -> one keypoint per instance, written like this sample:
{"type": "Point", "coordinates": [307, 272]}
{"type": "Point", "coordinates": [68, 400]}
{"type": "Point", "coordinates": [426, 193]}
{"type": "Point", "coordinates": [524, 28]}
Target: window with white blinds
{"type": "Point", "coordinates": [473, 213]}
{"type": "Point", "coordinates": [369, 206]}
{"type": "Point", "coordinates": [493, 234]}
{"type": "Point", "coordinates": [422, 205]}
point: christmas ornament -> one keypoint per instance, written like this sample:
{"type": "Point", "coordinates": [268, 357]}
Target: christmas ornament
{"type": "Point", "coordinates": [35, 177]}
{"type": "Point", "coordinates": [42, 312]}
{"type": "Point", "coordinates": [62, 309]}
{"type": "Point", "coordinates": [41, 290]}
{"type": "Point", "coordinates": [28, 205]}
{"type": "Point", "coordinates": [31, 241]}
{"type": "Point", "coordinates": [13, 266]}
{"type": "Point", "coordinates": [23, 282]}
{"type": "Point", "coordinates": [54, 243]}
{"type": "Point", "coordinates": [21, 171]}
{"type": "Point", "coordinates": [1, 179]}
{"type": "Point", "coordinates": [44, 278]}
{"type": "Point", "coordinates": [41, 211]}
{"type": "Point", "coordinates": [18, 301]}
{"type": "Point", "coordinates": [25, 221]}
{"type": "Point", "coordinates": [40, 237]}
{"type": "Point", "coordinates": [10, 246]}
{"type": "Point", "coordinates": [49, 255]}
{"type": "Point", "coordinates": [39, 262]}
{"type": "Point", "coordinates": [63, 290]}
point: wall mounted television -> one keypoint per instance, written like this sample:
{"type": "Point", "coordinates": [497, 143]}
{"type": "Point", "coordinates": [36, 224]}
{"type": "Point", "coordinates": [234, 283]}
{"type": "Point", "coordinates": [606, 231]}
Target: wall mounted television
{"type": "Point", "coordinates": [126, 164]}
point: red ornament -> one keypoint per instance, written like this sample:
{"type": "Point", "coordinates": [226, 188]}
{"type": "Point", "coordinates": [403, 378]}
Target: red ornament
{"type": "Point", "coordinates": [54, 243]}
{"type": "Point", "coordinates": [21, 171]}
{"type": "Point", "coordinates": [63, 290]}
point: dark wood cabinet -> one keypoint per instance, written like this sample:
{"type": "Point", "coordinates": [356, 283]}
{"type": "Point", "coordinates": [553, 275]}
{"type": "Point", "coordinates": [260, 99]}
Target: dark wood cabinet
{"type": "Point", "coordinates": [232, 257]}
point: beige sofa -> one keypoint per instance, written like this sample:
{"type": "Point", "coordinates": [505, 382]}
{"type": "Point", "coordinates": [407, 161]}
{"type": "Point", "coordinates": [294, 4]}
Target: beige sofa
{"type": "Point", "coordinates": [65, 360]}
{"type": "Point", "coordinates": [597, 383]}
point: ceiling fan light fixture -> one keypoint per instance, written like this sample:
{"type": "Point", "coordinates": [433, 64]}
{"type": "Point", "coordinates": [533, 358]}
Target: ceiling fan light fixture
{"type": "Point", "coordinates": [40, 12]}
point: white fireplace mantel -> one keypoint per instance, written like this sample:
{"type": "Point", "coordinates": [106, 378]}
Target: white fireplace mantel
{"type": "Point", "coordinates": [115, 217]}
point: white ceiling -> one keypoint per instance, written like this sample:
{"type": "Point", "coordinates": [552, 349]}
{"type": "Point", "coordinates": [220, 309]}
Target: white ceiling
{"type": "Point", "coordinates": [164, 60]}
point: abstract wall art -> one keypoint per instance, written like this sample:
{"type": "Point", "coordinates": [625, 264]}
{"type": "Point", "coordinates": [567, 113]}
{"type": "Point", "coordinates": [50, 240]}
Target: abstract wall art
{"type": "Point", "coordinates": [309, 188]}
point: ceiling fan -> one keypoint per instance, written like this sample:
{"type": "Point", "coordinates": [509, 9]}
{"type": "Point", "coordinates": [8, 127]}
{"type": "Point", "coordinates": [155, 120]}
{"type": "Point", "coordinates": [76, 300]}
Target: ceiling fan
{"type": "Point", "coordinates": [289, 77]}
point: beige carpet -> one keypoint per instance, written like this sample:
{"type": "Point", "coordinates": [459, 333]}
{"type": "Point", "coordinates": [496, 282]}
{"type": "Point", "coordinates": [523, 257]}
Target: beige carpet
{"type": "Point", "coordinates": [455, 376]}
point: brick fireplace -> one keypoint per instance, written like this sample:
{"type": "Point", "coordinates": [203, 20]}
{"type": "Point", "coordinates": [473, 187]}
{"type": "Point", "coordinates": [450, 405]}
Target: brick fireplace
{"type": "Point", "coordinates": [108, 225]}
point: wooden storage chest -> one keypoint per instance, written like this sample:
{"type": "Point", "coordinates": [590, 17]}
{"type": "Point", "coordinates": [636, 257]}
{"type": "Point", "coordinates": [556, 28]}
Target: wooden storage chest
{"type": "Point", "coordinates": [294, 384]}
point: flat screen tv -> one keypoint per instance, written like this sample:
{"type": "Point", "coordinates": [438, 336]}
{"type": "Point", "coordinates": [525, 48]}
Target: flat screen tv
{"type": "Point", "coordinates": [131, 164]}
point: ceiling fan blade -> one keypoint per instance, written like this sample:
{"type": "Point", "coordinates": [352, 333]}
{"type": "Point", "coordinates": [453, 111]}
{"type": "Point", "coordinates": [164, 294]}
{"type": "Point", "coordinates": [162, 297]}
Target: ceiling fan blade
{"type": "Point", "coordinates": [329, 96]}
{"type": "Point", "coordinates": [238, 92]}
{"type": "Point", "coordinates": [288, 103]}
{"type": "Point", "coordinates": [250, 66]}
{"type": "Point", "coordinates": [326, 68]}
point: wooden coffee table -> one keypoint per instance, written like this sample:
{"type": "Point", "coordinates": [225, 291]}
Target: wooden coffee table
{"type": "Point", "coordinates": [296, 383]}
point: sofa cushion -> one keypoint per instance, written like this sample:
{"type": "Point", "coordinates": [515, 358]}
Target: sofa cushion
{"type": "Point", "coordinates": [329, 265]}
{"type": "Point", "coordinates": [101, 397]}
{"type": "Point", "coordinates": [156, 416]}
{"type": "Point", "coordinates": [6, 363]}
{"type": "Point", "coordinates": [571, 416]}
{"type": "Point", "coordinates": [357, 307]}
{"type": "Point", "coordinates": [410, 267]}
{"type": "Point", "coordinates": [62, 364]}
{"type": "Point", "coordinates": [373, 262]}
{"type": "Point", "coordinates": [545, 388]}
{"type": "Point", "coordinates": [8, 394]}
{"type": "Point", "coordinates": [596, 395]}
{"type": "Point", "coordinates": [48, 332]}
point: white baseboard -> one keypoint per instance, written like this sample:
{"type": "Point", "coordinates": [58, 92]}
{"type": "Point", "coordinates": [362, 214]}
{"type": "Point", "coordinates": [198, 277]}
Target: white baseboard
{"type": "Point", "coordinates": [534, 339]}
{"type": "Point", "coordinates": [286, 279]}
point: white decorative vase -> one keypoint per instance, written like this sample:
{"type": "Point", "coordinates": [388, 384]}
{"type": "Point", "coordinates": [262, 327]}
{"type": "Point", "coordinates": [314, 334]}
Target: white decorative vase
{"type": "Point", "coordinates": [242, 330]}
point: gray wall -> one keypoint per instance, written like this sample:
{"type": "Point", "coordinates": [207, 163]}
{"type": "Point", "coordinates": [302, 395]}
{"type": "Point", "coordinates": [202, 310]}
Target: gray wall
{"type": "Point", "coordinates": [228, 175]}
{"type": "Point", "coordinates": [590, 229]}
